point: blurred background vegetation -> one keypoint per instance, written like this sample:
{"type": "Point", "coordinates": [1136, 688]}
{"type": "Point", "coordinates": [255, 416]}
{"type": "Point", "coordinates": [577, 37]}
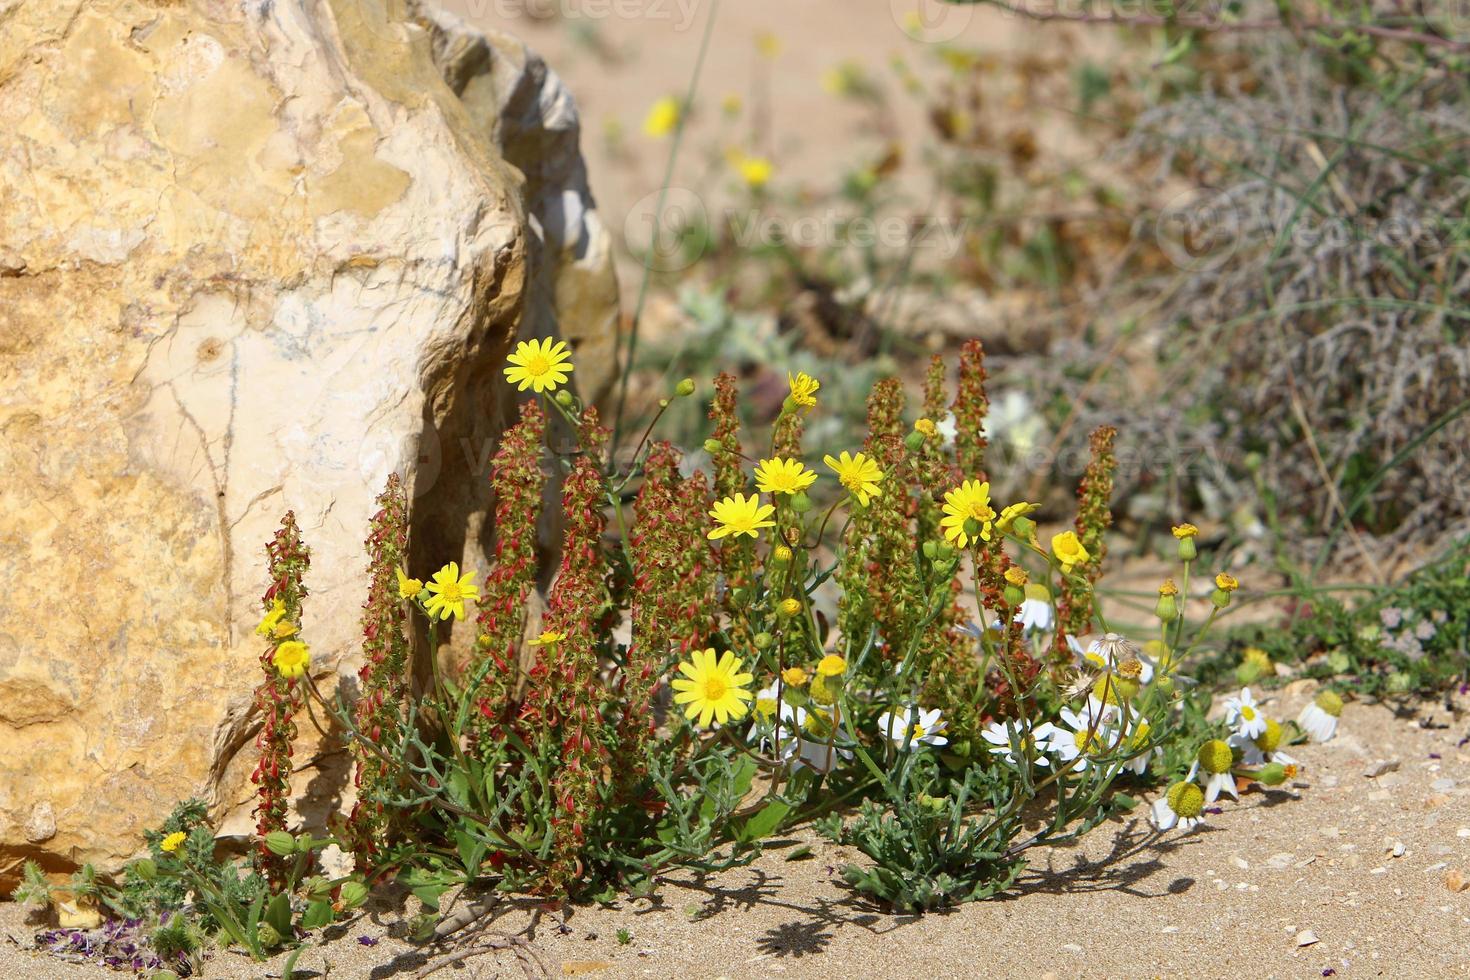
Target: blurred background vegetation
{"type": "Point", "coordinates": [1234, 230]}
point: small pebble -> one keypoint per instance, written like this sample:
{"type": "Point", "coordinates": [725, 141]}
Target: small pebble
{"type": "Point", "coordinates": [1306, 937]}
{"type": "Point", "coordinates": [1442, 785]}
{"type": "Point", "coordinates": [1455, 881]}
{"type": "Point", "coordinates": [1382, 767]}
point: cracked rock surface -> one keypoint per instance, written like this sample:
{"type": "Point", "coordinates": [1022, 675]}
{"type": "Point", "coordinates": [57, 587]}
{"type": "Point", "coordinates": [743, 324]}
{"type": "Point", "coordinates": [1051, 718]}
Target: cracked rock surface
{"type": "Point", "coordinates": [253, 256]}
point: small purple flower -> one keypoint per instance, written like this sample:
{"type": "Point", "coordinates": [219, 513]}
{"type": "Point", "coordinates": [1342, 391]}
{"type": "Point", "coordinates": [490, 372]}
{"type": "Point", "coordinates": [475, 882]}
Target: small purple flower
{"type": "Point", "coordinates": [367, 940]}
{"type": "Point", "coordinates": [1435, 755]}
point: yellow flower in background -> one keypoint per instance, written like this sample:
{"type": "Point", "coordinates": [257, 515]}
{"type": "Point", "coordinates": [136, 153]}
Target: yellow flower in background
{"type": "Point", "coordinates": [926, 428]}
{"type": "Point", "coordinates": [1182, 531]}
{"type": "Point", "coordinates": [547, 638]}
{"type": "Point", "coordinates": [713, 689]}
{"type": "Point", "coordinates": [739, 515]}
{"type": "Point", "coordinates": [789, 606]}
{"type": "Point", "coordinates": [779, 475]}
{"type": "Point", "coordinates": [539, 364]}
{"type": "Point", "coordinates": [1011, 512]}
{"type": "Point", "coordinates": [859, 474]}
{"type": "Point", "coordinates": [172, 842]}
{"type": "Point", "coordinates": [1168, 587]}
{"type": "Point", "coordinates": [1226, 582]}
{"type": "Point", "coordinates": [408, 587]}
{"type": "Point", "coordinates": [804, 389]}
{"type": "Point", "coordinates": [831, 666]}
{"type": "Point", "coordinates": [449, 592]}
{"type": "Point", "coordinates": [291, 659]}
{"type": "Point", "coordinates": [794, 676]}
{"type": "Point", "coordinates": [662, 118]}
{"type": "Point", "coordinates": [732, 104]}
{"type": "Point", "coordinates": [755, 171]}
{"type": "Point", "coordinates": [768, 44]}
{"type": "Point", "coordinates": [968, 515]}
{"type": "Point", "coordinates": [1068, 549]}
{"type": "Point", "coordinates": [284, 629]}
{"type": "Point", "coordinates": [267, 626]}
{"type": "Point", "coordinates": [1016, 575]}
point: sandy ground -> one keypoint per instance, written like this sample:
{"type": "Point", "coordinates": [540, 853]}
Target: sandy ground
{"type": "Point", "coordinates": [1232, 898]}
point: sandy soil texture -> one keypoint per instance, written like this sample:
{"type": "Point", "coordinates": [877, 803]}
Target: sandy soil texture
{"type": "Point", "coordinates": [1343, 873]}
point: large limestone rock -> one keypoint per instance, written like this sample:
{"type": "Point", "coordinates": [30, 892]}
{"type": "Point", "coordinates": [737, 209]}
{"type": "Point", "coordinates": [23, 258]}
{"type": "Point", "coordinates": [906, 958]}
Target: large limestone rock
{"type": "Point", "coordinates": [253, 255]}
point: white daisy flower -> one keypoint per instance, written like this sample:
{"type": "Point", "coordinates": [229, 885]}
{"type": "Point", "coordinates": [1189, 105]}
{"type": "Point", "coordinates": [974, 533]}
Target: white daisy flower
{"type": "Point", "coordinates": [1085, 735]}
{"type": "Point", "coordinates": [812, 749]}
{"type": "Point", "coordinates": [1117, 653]}
{"type": "Point", "coordinates": [1215, 760]}
{"type": "Point", "coordinates": [1002, 736]}
{"type": "Point", "coordinates": [1134, 736]}
{"type": "Point", "coordinates": [915, 727]}
{"type": "Point", "coordinates": [1242, 714]}
{"type": "Point", "coordinates": [1182, 806]}
{"type": "Point", "coordinates": [1036, 615]}
{"type": "Point", "coordinates": [1319, 719]}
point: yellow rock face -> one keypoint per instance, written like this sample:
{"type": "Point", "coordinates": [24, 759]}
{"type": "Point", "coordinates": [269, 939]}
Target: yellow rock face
{"type": "Point", "coordinates": [245, 266]}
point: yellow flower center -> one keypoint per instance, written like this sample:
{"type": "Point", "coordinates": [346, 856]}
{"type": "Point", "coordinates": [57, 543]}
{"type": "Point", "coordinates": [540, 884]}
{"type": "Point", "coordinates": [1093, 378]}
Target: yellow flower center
{"type": "Point", "coordinates": [918, 732]}
{"type": "Point", "coordinates": [1085, 740]}
{"type": "Point", "coordinates": [537, 364]}
{"type": "Point", "coordinates": [450, 592]}
{"type": "Point", "coordinates": [1330, 702]}
{"type": "Point", "coordinates": [1247, 712]}
{"type": "Point", "coordinates": [715, 687]}
{"type": "Point", "coordinates": [763, 706]}
{"type": "Point", "coordinates": [1215, 757]}
{"type": "Point", "coordinates": [1186, 799]}
{"type": "Point", "coordinates": [981, 511]}
{"type": "Point", "coordinates": [1132, 668]}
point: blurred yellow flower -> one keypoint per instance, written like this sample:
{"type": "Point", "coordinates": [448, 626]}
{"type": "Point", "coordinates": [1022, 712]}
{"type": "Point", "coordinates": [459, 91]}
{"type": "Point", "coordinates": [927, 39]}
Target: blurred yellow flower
{"type": "Point", "coordinates": [1226, 582]}
{"type": "Point", "coordinates": [768, 44]}
{"type": "Point", "coordinates": [755, 171]}
{"type": "Point", "coordinates": [547, 638]}
{"type": "Point", "coordinates": [450, 590]}
{"type": "Point", "coordinates": [408, 587]}
{"type": "Point", "coordinates": [662, 118]}
{"type": "Point", "coordinates": [794, 676]}
{"type": "Point", "coordinates": [1182, 531]}
{"type": "Point", "coordinates": [926, 428]}
{"type": "Point", "coordinates": [831, 666]}
{"type": "Point", "coordinates": [739, 515]}
{"type": "Point", "coordinates": [783, 476]}
{"type": "Point", "coordinates": [1016, 575]}
{"type": "Point", "coordinates": [172, 842]}
{"type": "Point", "coordinates": [1068, 549]}
{"type": "Point", "coordinates": [732, 104]}
{"type": "Point", "coordinates": [859, 474]}
{"type": "Point", "coordinates": [267, 626]}
{"type": "Point", "coordinates": [291, 659]}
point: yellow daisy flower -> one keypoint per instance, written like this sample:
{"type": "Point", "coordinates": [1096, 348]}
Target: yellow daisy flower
{"type": "Point", "coordinates": [547, 638]}
{"type": "Point", "coordinates": [1011, 512]}
{"type": "Point", "coordinates": [408, 587]}
{"type": "Point", "coordinates": [1068, 549]}
{"type": "Point", "coordinates": [804, 389]}
{"type": "Point", "coordinates": [1226, 582]}
{"type": "Point", "coordinates": [755, 171]}
{"type": "Point", "coordinates": [450, 590]}
{"type": "Point", "coordinates": [713, 689]}
{"type": "Point", "coordinates": [662, 118]}
{"type": "Point", "coordinates": [268, 625]}
{"type": "Point", "coordinates": [172, 842]}
{"type": "Point", "coordinates": [783, 476]}
{"type": "Point", "coordinates": [1182, 531]}
{"type": "Point", "coordinates": [831, 666]}
{"type": "Point", "coordinates": [859, 474]}
{"type": "Point", "coordinates": [739, 515]}
{"type": "Point", "coordinates": [540, 365]}
{"type": "Point", "coordinates": [968, 515]}
{"type": "Point", "coordinates": [291, 659]}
